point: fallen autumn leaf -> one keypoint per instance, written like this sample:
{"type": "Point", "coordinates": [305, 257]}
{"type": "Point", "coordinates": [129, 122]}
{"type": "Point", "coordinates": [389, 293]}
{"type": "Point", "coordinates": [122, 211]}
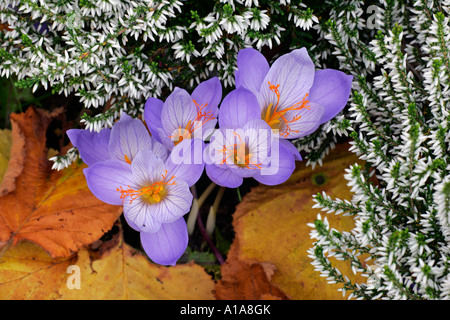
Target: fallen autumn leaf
{"type": "Point", "coordinates": [54, 209]}
{"type": "Point", "coordinates": [271, 230]}
{"type": "Point", "coordinates": [113, 272]}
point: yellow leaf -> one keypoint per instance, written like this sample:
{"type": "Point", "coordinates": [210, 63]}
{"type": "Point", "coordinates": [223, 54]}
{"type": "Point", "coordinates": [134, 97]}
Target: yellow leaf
{"type": "Point", "coordinates": [27, 272]}
{"type": "Point", "coordinates": [13, 150]}
{"type": "Point", "coordinates": [116, 272]}
{"type": "Point", "coordinates": [271, 227]}
{"type": "Point", "coordinates": [5, 148]}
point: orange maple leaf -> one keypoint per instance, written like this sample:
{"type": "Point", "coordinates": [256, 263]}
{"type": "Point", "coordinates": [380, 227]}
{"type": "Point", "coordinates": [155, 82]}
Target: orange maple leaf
{"type": "Point", "coordinates": [54, 209]}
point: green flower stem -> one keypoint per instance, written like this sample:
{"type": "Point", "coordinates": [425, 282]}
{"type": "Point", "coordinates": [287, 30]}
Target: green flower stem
{"type": "Point", "coordinates": [211, 220]}
{"type": "Point", "coordinates": [196, 205]}
{"type": "Point", "coordinates": [209, 241]}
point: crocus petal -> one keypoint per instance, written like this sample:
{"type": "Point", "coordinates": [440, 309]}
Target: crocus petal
{"type": "Point", "coordinates": [92, 146]}
{"type": "Point", "coordinates": [259, 137]}
{"type": "Point", "coordinates": [165, 139]}
{"type": "Point", "coordinates": [146, 168]}
{"type": "Point", "coordinates": [141, 215]}
{"type": "Point", "coordinates": [131, 223]}
{"type": "Point", "coordinates": [308, 123]}
{"type": "Point", "coordinates": [167, 245]}
{"type": "Point", "coordinates": [175, 203]}
{"type": "Point", "coordinates": [281, 168]}
{"type": "Point", "coordinates": [205, 130]}
{"type": "Point", "coordinates": [103, 179]}
{"type": "Point", "coordinates": [152, 115]}
{"type": "Point", "coordinates": [159, 150]}
{"type": "Point", "coordinates": [223, 176]}
{"type": "Point", "coordinates": [128, 137]}
{"type": "Point", "coordinates": [185, 161]}
{"type": "Point", "coordinates": [213, 152]}
{"type": "Point", "coordinates": [252, 69]}
{"type": "Point", "coordinates": [244, 172]}
{"type": "Point", "coordinates": [238, 107]}
{"type": "Point", "coordinates": [179, 110]}
{"type": "Point", "coordinates": [210, 93]}
{"type": "Point", "coordinates": [294, 73]}
{"type": "Point", "coordinates": [293, 149]}
{"type": "Point", "coordinates": [331, 89]}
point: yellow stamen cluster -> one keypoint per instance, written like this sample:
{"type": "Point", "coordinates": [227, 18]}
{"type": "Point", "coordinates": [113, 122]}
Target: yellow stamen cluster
{"type": "Point", "coordinates": [192, 125]}
{"type": "Point", "coordinates": [273, 116]}
{"type": "Point", "coordinates": [151, 194]}
{"type": "Point", "coordinates": [240, 154]}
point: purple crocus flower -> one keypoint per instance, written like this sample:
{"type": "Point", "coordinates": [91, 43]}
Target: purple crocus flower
{"type": "Point", "coordinates": [126, 138]}
{"type": "Point", "coordinates": [293, 97]}
{"type": "Point", "coordinates": [244, 145]}
{"type": "Point", "coordinates": [184, 116]}
{"type": "Point", "coordinates": [155, 195]}
{"type": "Point", "coordinates": [127, 167]}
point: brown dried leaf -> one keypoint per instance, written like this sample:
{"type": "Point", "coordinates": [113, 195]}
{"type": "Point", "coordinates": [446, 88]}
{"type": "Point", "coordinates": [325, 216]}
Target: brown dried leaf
{"type": "Point", "coordinates": [242, 280]}
{"type": "Point", "coordinates": [13, 159]}
{"type": "Point", "coordinates": [54, 209]}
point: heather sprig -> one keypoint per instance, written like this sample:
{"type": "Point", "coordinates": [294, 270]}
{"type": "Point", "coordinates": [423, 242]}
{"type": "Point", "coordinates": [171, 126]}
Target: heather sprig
{"type": "Point", "coordinates": [399, 128]}
{"type": "Point", "coordinates": [123, 52]}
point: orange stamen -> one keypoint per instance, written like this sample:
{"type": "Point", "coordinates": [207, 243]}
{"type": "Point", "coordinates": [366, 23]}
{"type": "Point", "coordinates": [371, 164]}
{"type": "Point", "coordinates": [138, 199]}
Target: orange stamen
{"type": "Point", "coordinates": [152, 193]}
{"type": "Point", "coordinates": [201, 118]}
{"type": "Point", "coordinates": [275, 116]}
{"type": "Point", "coordinates": [127, 160]}
{"type": "Point", "coordinates": [240, 154]}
